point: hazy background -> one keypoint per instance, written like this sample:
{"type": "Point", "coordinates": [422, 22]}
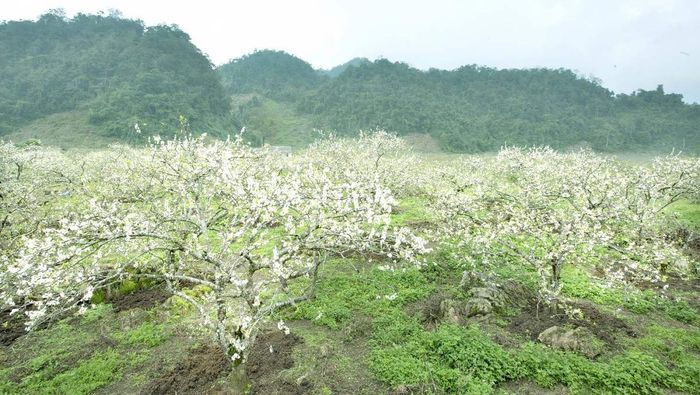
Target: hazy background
{"type": "Point", "coordinates": [627, 44]}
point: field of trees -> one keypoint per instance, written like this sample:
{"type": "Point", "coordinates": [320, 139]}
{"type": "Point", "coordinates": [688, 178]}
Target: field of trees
{"type": "Point", "coordinates": [353, 266]}
{"type": "Point", "coordinates": [491, 231]}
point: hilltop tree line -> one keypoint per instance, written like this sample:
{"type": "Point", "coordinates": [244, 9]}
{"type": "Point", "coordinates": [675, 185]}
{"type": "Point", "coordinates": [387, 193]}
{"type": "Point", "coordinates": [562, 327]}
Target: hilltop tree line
{"type": "Point", "coordinates": [121, 73]}
{"type": "Point", "coordinates": [472, 108]}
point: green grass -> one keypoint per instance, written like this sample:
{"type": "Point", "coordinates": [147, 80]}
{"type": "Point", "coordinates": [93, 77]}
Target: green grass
{"type": "Point", "coordinates": [576, 283]}
{"type": "Point", "coordinates": [66, 361]}
{"type": "Point", "coordinates": [412, 212]}
{"type": "Point", "coordinates": [687, 212]}
{"type": "Point", "coordinates": [101, 369]}
{"type": "Point", "coordinates": [80, 355]}
{"type": "Point", "coordinates": [147, 334]}
{"type": "Point", "coordinates": [373, 293]}
{"type": "Point", "coordinates": [67, 130]}
{"type": "Point", "coordinates": [406, 355]}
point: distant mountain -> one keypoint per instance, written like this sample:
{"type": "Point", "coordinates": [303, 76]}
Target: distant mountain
{"type": "Point", "coordinates": [90, 79]}
{"type": "Point", "coordinates": [274, 73]}
{"type": "Point", "coordinates": [338, 70]}
{"type": "Point", "coordinates": [114, 72]}
{"type": "Point", "coordinates": [473, 108]}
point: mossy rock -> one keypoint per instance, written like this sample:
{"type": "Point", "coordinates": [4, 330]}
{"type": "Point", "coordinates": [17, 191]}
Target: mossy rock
{"type": "Point", "coordinates": [580, 340]}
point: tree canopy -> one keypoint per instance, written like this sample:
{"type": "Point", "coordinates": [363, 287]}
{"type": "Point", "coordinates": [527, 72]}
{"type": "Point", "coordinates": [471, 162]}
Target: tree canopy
{"type": "Point", "coordinates": [473, 108]}
{"type": "Point", "coordinates": [119, 70]}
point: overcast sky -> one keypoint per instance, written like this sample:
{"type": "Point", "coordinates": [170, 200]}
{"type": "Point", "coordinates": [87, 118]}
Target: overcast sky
{"type": "Point", "coordinates": [628, 44]}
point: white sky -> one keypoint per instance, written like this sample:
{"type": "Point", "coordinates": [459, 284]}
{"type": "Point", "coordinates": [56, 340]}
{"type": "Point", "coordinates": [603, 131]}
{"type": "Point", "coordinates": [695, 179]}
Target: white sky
{"type": "Point", "coordinates": [628, 44]}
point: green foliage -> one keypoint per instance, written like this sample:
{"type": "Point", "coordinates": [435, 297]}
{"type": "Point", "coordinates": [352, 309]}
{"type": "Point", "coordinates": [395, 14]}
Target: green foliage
{"type": "Point", "coordinates": [462, 356]}
{"type": "Point", "coordinates": [473, 108]}
{"type": "Point", "coordinates": [274, 73]}
{"type": "Point", "coordinates": [97, 313]}
{"type": "Point", "coordinates": [461, 360]}
{"type": "Point", "coordinates": [60, 370]}
{"type": "Point", "coordinates": [676, 347]}
{"type": "Point", "coordinates": [576, 283]}
{"type": "Point", "coordinates": [148, 334]}
{"type": "Point", "coordinates": [118, 71]}
{"type": "Point", "coordinates": [374, 293]}
{"type": "Point", "coordinates": [632, 372]}
{"type": "Point", "coordinates": [93, 373]}
{"type": "Point", "coordinates": [454, 359]}
{"type": "Point", "coordinates": [687, 212]}
{"type": "Point", "coordinates": [340, 69]}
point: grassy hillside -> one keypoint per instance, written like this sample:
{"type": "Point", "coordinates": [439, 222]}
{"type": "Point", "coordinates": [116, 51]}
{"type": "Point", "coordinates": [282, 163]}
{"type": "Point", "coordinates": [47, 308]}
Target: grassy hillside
{"type": "Point", "coordinates": [66, 130]}
{"type": "Point", "coordinates": [268, 121]}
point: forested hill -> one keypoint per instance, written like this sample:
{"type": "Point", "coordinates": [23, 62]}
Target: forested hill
{"type": "Point", "coordinates": [472, 108]}
{"type": "Point", "coordinates": [107, 72]}
{"type": "Point", "coordinates": [89, 79]}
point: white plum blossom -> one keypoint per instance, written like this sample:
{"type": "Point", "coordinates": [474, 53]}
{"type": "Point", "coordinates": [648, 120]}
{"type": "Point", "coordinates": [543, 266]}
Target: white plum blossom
{"type": "Point", "coordinates": [549, 209]}
{"type": "Point", "coordinates": [238, 223]}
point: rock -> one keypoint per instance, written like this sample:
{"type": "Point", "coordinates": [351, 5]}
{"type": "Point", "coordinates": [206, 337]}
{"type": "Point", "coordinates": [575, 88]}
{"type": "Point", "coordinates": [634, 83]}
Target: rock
{"type": "Point", "coordinates": [492, 294]}
{"type": "Point", "coordinates": [516, 294]}
{"type": "Point", "coordinates": [484, 300]}
{"type": "Point", "coordinates": [449, 311]}
{"type": "Point", "coordinates": [478, 306]}
{"type": "Point", "coordinates": [580, 340]}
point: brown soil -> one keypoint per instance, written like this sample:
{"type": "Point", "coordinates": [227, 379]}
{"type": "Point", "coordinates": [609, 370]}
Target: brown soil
{"type": "Point", "coordinates": [144, 298]}
{"type": "Point", "coordinates": [604, 325]}
{"type": "Point", "coordinates": [263, 367]}
{"type": "Point", "coordinates": [690, 288]}
{"type": "Point", "coordinates": [679, 284]}
{"type": "Point", "coordinates": [11, 327]}
{"type": "Point", "coordinates": [524, 387]}
{"type": "Point", "coordinates": [194, 375]}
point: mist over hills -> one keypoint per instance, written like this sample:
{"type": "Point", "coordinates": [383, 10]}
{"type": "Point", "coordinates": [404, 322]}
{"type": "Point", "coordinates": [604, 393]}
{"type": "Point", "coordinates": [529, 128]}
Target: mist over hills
{"type": "Point", "coordinates": [100, 75]}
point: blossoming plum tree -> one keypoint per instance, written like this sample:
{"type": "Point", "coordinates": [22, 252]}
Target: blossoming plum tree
{"type": "Point", "coordinates": [548, 209]}
{"type": "Point", "coordinates": [248, 228]}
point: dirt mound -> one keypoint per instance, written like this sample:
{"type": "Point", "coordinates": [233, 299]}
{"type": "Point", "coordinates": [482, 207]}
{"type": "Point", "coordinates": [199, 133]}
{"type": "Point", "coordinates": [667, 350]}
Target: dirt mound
{"type": "Point", "coordinates": [194, 375]}
{"type": "Point", "coordinates": [603, 325]}
{"type": "Point", "coordinates": [144, 298]}
{"type": "Point", "coordinates": [676, 283]}
{"type": "Point", "coordinates": [11, 327]}
{"type": "Point", "coordinates": [271, 354]}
